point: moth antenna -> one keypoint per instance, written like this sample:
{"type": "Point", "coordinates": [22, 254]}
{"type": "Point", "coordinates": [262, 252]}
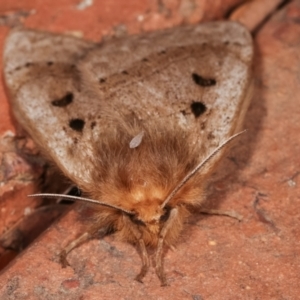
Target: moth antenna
{"type": "Point", "coordinates": [83, 200]}
{"type": "Point", "coordinates": [198, 167]}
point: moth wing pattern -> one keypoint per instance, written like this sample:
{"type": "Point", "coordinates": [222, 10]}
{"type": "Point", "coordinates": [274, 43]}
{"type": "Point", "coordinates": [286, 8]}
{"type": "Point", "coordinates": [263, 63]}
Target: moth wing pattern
{"type": "Point", "coordinates": [64, 90]}
{"type": "Point", "coordinates": [39, 69]}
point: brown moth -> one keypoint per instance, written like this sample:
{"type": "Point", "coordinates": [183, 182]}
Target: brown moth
{"type": "Point", "coordinates": [137, 123]}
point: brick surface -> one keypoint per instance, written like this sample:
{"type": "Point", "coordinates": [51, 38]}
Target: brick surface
{"type": "Point", "coordinates": [217, 257]}
{"type": "Point", "coordinates": [253, 13]}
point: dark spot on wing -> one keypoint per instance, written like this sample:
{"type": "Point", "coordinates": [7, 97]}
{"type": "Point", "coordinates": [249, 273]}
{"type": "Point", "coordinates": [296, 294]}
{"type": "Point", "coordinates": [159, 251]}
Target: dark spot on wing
{"type": "Point", "coordinates": [27, 65]}
{"type": "Point", "coordinates": [210, 136]}
{"type": "Point", "coordinates": [77, 124]}
{"type": "Point", "coordinates": [145, 59]}
{"type": "Point", "coordinates": [93, 124]}
{"type": "Point", "coordinates": [102, 80]}
{"type": "Point", "coordinates": [49, 63]}
{"type": "Point", "coordinates": [64, 101]}
{"type": "Point", "coordinates": [204, 82]}
{"type": "Point", "coordinates": [162, 52]}
{"type": "Point", "coordinates": [198, 108]}
{"type": "Point", "coordinates": [183, 112]}
{"type": "Point", "coordinates": [124, 72]}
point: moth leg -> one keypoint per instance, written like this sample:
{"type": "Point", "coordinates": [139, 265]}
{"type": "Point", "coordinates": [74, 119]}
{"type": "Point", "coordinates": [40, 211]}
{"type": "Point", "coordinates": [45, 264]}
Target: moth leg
{"type": "Point", "coordinates": [159, 251]}
{"type": "Point", "coordinates": [92, 232]}
{"type": "Point", "coordinates": [142, 247]}
{"type": "Point", "coordinates": [63, 254]}
{"type": "Point", "coordinates": [229, 213]}
{"type": "Point", "coordinates": [145, 261]}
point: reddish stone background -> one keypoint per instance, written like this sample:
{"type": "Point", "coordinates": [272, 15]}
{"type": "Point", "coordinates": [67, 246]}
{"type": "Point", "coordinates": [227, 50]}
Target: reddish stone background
{"type": "Point", "coordinates": [217, 257]}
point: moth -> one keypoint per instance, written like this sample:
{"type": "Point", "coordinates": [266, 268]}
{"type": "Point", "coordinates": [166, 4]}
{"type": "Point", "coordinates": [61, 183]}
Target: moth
{"type": "Point", "coordinates": [138, 123]}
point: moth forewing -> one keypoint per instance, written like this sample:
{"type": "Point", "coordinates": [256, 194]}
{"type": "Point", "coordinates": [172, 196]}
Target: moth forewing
{"type": "Point", "coordinates": [127, 120]}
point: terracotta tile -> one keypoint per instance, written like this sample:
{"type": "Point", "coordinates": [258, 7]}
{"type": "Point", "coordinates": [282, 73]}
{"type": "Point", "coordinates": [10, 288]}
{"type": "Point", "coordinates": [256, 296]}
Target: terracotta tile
{"type": "Point", "coordinates": [16, 177]}
{"type": "Point", "coordinates": [217, 257]}
{"type": "Point", "coordinates": [105, 17]}
{"type": "Point", "coordinates": [253, 13]}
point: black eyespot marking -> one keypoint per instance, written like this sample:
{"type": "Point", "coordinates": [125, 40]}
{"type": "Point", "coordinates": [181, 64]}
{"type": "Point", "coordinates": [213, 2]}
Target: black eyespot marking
{"type": "Point", "coordinates": [102, 80]}
{"type": "Point", "coordinates": [77, 124]}
{"type": "Point", "coordinates": [64, 101]}
{"type": "Point", "coordinates": [93, 124]}
{"type": "Point", "coordinates": [198, 108]}
{"type": "Point", "coordinates": [203, 81]}
{"type": "Point", "coordinates": [125, 72]}
{"type": "Point", "coordinates": [49, 63]}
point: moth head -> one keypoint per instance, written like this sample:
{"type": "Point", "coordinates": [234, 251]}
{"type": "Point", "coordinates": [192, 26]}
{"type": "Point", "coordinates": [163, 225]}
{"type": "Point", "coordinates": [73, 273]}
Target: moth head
{"type": "Point", "coordinates": [151, 214]}
{"type": "Point", "coordinates": [144, 202]}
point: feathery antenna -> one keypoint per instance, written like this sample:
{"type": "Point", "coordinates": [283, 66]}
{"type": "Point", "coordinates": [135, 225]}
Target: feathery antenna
{"type": "Point", "coordinates": [76, 198]}
{"type": "Point", "coordinates": [198, 167]}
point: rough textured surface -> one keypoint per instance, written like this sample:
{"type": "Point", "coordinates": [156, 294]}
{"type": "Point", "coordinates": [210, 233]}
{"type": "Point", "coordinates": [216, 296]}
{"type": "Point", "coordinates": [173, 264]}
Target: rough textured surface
{"type": "Point", "coordinates": [253, 13]}
{"type": "Point", "coordinates": [110, 17]}
{"type": "Point", "coordinates": [16, 174]}
{"type": "Point", "coordinates": [217, 258]}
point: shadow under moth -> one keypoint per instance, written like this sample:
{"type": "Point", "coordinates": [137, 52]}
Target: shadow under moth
{"type": "Point", "coordinates": [137, 123]}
